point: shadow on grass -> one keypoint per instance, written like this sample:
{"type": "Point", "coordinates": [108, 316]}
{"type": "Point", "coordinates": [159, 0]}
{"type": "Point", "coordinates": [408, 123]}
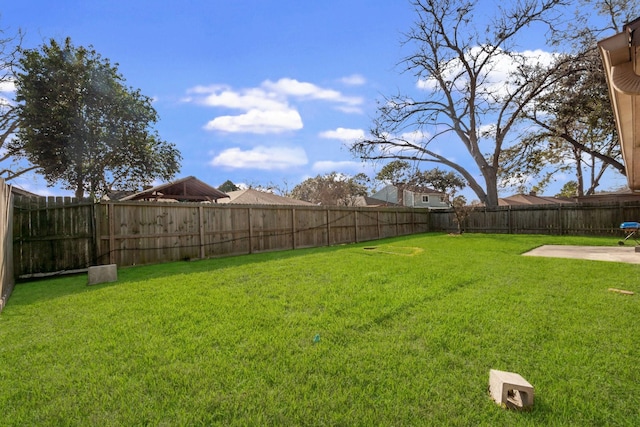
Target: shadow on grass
{"type": "Point", "coordinates": [43, 289]}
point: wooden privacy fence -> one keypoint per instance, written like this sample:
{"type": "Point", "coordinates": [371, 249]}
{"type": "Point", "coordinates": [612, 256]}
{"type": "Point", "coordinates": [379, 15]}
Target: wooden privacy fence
{"type": "Point", "coordinates": [135, 233]}
{"type": "Point", "coordinates": [601, 219]}
{"type": "Point", "coordinates": [56, 234]}
{"type": "Point", "coordinates": [6, 243]}
{"type": "Point", "coordinates": [52, 234]}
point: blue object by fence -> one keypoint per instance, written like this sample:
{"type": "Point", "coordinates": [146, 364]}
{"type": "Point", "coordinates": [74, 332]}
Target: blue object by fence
{"type": "Point", "coordinates": [630, 225]}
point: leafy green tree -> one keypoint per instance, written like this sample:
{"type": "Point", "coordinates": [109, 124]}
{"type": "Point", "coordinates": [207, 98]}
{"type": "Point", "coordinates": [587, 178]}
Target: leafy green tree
{"type": "Point", "coordinates": [82, 127]}
{"type": "Point", "coordinates": [332, 189]}
{"type": "Point", "coordinates": [398, 173]}
{"type": "Point", "coordinates": [446, 182]}
{"type": "Point", "coordinates": [228, 186]}
{"type": "Point", "coordinates": [569, 189]}
{"type": "Point", "coordinates": [395, 172]}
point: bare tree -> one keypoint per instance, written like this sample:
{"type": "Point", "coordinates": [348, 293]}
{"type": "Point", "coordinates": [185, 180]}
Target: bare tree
{"type": "Point", "coordinates": [456, 63]}
{"type": "Point", "coordinates": [9, 120]}
{"type": "Point", "coordinates": [574, 129]}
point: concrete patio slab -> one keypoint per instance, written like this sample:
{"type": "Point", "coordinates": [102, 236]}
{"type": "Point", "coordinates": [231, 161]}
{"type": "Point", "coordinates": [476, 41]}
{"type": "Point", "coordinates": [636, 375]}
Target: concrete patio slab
{"type": "Point", "coordinates": [626, 254]}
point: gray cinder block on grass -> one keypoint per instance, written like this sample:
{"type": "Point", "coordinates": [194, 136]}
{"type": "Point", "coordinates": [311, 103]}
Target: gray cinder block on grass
{"type": "Point", "coordinates": [510, 390]}
{"type": "Point", "coordinates": [103, 274]}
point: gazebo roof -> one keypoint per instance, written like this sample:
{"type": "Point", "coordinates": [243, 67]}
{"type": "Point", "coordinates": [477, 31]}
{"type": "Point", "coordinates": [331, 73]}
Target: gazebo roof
{"type": "Point", "coordinates": [189, 189]}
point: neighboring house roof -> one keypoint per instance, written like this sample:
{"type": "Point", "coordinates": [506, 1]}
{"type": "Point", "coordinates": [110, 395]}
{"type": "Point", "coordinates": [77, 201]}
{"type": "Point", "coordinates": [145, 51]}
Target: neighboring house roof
{"type": "Point", "coordinates": [532, 199]}
{"type": "Point", "coordinates": [117, 195]}
{"type": "Point", "coordinates": [625, 195]}
{"type": "Point", "coordinates": [372, 202]}
{"type": "Point", "coordinates": [255, 197]}
{"type": "Point", "coordinates": [189, 189]}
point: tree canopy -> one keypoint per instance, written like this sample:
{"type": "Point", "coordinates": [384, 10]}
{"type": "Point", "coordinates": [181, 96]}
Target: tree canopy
{"type": "Point", "coordinates": [228, 186]}
{"type": "Point", "coordinates": [400, 174]}
{"type": "Point", "coordinates": [332, 189]}
{"type": "Point", "coordinates": [82, 127]}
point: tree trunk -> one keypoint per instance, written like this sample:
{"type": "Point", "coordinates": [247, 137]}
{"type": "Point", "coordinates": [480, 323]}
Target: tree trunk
{"type": "Point", "coordinates": [491, 184]}
{"type": "Point", "coordinates": [79, 189]}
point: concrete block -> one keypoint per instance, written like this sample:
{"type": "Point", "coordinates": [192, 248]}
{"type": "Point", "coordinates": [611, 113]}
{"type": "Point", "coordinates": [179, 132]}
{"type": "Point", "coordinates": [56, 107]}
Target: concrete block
{"type": "Point", "coordinates": [103, 274]}
{"type": "Point", "coordinates": [510, 390]}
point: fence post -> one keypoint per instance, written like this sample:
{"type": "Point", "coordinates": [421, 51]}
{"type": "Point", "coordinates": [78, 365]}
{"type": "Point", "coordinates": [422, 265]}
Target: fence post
{"type": "Point", "coordinates": [397, 232]}
{"type": "Point", "coordinates": [112, 234]}
{"type": "Point", "coordinates": [249, 213]}
{"type": "Point", "coordinates": [328, 228]}
{"type": "Point", "coordinates": [201, 224]}
{"type": "Point", "coordinates": [293, 228]}
{"type": "Point", "coordinates": [560, 221]}
{"type": "Point", "coordinates": [95, 225]}
{"type": "Point", "coordinates": [355, 225]}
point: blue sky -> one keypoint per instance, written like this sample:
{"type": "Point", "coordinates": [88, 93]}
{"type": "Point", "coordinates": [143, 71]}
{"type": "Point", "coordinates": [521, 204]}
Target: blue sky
{"type": "Point", "coordinates": [253, 91]}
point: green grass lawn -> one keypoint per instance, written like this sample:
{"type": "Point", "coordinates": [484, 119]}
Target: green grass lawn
{"type": "Point", "coordinates": [397, 332]}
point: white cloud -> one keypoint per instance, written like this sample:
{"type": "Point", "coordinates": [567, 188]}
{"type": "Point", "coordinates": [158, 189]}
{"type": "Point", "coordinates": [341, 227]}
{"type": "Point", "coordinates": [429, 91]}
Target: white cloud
{"type": "Point", "coordinates": [295, 88]}
{"type": "Point", "coordinates": [246, 100]}
{"type": "Point", "coordinates": [343, 134]}
{"type": "Point", "coordinates": [349, 109]}
{"type": "Point", "coordinates": [405, 143]}
{"type": "Point", "coordinates": [487, 131]}
{"type": "Point", "coordinates": [258, 121]}
{"type": "Point", "coordinates": [267, 108]}
{"type": "Point", "coordinates": [428, 84]}
{"type": "Point", "coordinates": [416, 137]}
{"type": "Point", "coordinates": [497, 73]}
{"type": "Point", "coordinates": [327, 166]}
{"type": "Point", "coordinates": [353, 80]}
{"type": "Point", "coordinates": [7, 86]}
{"type": "Point", "coordinates": [263, 158]}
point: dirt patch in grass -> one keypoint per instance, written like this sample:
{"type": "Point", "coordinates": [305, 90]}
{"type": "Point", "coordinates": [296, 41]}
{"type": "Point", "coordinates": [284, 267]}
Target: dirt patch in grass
{"type": "Point", "coordinates": [394, 250]}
